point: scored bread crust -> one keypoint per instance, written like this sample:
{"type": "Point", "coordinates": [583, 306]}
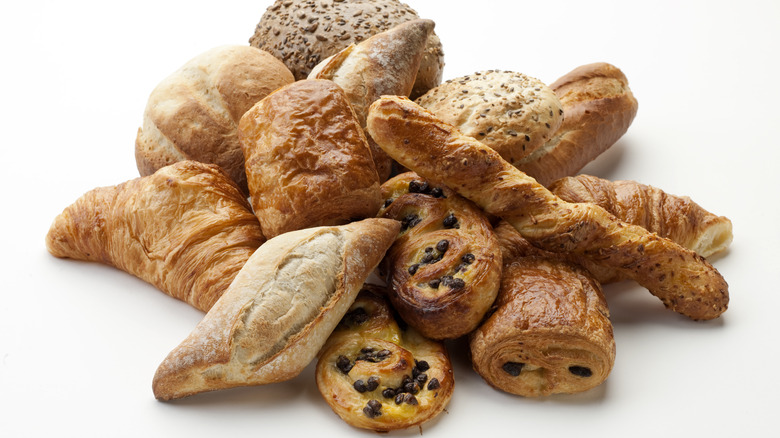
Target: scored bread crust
{"type": "Point", "coordinates": [304, 33]}
{"type": "Point", "coordinates": [279, 310]}
{"type": "Point", "coordinates": [193, 113]}
{"type": "Point", "coordinates": [684, 281]}
{"type": "Point", "coordinates": [307, 159]}
{"type": "Point", "coordinates": [598, 108]}
{"type": "Point", "coordinates": [186, 229]}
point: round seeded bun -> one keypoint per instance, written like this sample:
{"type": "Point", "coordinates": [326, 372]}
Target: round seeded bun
{"type": "Point", "coordinates": [512, 113]}
{"type": "Point", "coordinates": [304, 32]}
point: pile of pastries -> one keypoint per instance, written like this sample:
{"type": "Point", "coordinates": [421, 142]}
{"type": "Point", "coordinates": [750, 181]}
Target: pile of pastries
{"type": "Point", "coordinates": [322, 195]}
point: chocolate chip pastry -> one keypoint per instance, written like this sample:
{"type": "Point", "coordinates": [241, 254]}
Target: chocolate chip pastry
{"type": "Point", "coordinates": [378, 376]}
{"type": "Point", "coordinates": [548, 331]}
{"type": "Point", "coordinates": [187, 229]}
{"type": "Point", "coordinates": [683, 280]}
{"type": "Point", "coordinates": [444, 268]}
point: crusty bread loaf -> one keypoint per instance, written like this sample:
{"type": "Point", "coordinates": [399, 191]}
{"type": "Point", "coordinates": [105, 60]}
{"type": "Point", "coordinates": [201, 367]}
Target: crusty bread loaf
{"type": "Point", "coordinates": [385, 63]}
{"type": "Point", "coordinates": [598, 108]}
{"type": "Point", "coordinates": [304, 33]}
{"type": "Point", "coordinates": [279, 310]}
{"type": "Point", "coordinates": [510, 112]}
{"type": "Point", "coordinates": [307, 159]}
{"type": "Point", "coordinates": [186, 229]}
{"type": "Point", "coordinates": [193, 113]}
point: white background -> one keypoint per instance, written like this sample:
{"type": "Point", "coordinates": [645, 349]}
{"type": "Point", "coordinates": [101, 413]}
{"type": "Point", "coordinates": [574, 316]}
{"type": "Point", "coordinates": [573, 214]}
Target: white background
{"type": "Point", "coordinates": [79, 342]}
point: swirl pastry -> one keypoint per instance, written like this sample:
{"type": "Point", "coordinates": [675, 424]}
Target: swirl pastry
{"type": "Point", "coordinates": [444, 268]}
{"type": "Point", "coordinates": [684, 281]}
{"type": "Point", "coordinates": [187, 229]}
{"type": "Point", "coordinates": [279, 310]}
{"type": "Point", "coordinates": [377, 376]}
{"type": "Point", "coordinates": [549, 333]}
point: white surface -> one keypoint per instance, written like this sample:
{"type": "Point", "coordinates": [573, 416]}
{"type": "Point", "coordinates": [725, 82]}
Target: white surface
{"type": "Point", "coordinates": [79, 342]}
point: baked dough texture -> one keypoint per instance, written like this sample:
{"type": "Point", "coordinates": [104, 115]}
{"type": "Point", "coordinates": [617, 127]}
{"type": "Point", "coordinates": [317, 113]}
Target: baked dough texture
{"type": "Point", "coordinates": [186, 229]}
{"type": "Point", "coordinates": [303, 33]}
{"type": "Point", "coordinates": [510, 112]}
{"type": "Point", "coordinates": [385, 63]}
{"type": "Point", "coordinates": [193, 114]}
{"type": "Point", "coordinates": [549, 332]}
{"type": "Point", "coordinates": [279, 310]}
{"type": "Point", "coordinates": [377, 376]}
{"type": "Point", "coordinates": [444, 268]}
{"type": "Point", "coordinates": [598, 108]}
{"type": "Point", "coordinates": [683, 280]}
{"type": "Point", "coordinates": [307, 159]}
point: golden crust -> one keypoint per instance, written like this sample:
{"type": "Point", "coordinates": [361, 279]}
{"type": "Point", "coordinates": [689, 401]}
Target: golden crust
{"type": "Point", "coordinates": [307, 160]}
{"type": "Point", "coordinates": [186, 229]}
{"type": "Point", "coordinates": [405, 378]}
{"type": "Point", "coordinates": [444, 268]}
{"type": "Point", "coordinates": [193, 114]}
{"type": "Point", "coordinates": [598, 108]}
{"type": "Point", "coordinates": [549, 333]}
{"type": "Point", "coordinates": [684, 281]}
{"type": "Point", "coordinates": [279, 310]}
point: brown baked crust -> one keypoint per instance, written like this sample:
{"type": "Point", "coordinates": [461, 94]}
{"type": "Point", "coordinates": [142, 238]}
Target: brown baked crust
{"type": "Point", "coordinates": [385, 63]}
{"type": "Point", "coordinates": [304, 33]}
{"type": "Point", "coordinates": [508, 111]}
{"type": "Point", "coordinates": [186, 229]}
{"type": "Point", "coordinates": [549, 332]}
{"type": "Point", "coordinates": [405, 378]}
{"type": "Point", "coordinates": [598, 108]}
{"type": "Point", "coordinates": [684, 281]}
{"type": "Point", "coordinates": [307, 160]}
{"type": "Point", "coordinates": [279, 310]}
{"type": "Point", "coordinates": [444, 268]}
{"type": "Point", "coordinates": [193, 114]}
{"type": "Point", "coordinates": [675, 217]}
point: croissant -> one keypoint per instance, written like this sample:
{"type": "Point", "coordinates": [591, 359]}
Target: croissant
{"type": "Point", "coordinates": [186, 229]}
{"type": "Point", "coordinates": [377, 376]}
{"type": "Point", "coordinates": [444, 268]}
{"type": "Point", "coordinates": [279, 311]}
{"type": "Point", "coordinates": [386, 63]}
{"type": "Point", "coordinates": [675, 217]}
{"type": "Point", "coordinates": [684, 281]}
{"type": "Point", "coordinates": [549, 332]}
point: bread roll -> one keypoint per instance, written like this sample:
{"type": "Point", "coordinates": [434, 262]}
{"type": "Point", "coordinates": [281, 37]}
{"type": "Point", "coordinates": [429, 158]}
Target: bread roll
{"type": "Point", "coordinates": [377, 376]}
{"type": "Point", "coordinates": [510, 112]}
{"type": "Point", "coordinates": [303, 33]}
{"type": "Point", "coordinates": [307, 160]}
{"type": "Point", "coordinates": [186, 229]}
{"type": "Point", "coordinates": [598, 108]}
{"type": "Point", "coordinates": [684, 281]}
{"type": "Point", "coordinates": [193, 114]}
{"type": "Point", "coordinates": [385, 63]}
{"type": "Point", "coordinates": [445, 267]}
{"type": "Point", "coordinates": [279, 310]}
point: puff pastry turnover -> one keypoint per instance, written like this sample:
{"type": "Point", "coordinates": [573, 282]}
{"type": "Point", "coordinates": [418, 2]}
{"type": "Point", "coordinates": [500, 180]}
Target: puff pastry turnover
{"type": "Point", "coordinates": [186, 229]}
{"type": "Point", "coordinates": [377, 376]}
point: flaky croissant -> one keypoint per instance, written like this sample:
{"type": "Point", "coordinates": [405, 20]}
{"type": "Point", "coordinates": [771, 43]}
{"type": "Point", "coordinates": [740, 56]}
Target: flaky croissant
{"type": "Point", "coordinates": [684, 281]}
{"type": "Point", "coordinates": [186, 229]}
{"type": "Point", "coordinates": [377, 376]}
{"type": "Point", "coordinates": [444, 268]}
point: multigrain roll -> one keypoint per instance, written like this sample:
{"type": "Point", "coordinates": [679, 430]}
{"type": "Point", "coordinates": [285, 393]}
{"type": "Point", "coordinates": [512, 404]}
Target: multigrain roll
{"type": "Point", "coordinates": [510, 112]}
{"type": "Point", "coordinates": [307, 159]}
{"type": "Point", "coordinates": [193, 114]}
{"type": "Point", "coordinates": [304, 33]}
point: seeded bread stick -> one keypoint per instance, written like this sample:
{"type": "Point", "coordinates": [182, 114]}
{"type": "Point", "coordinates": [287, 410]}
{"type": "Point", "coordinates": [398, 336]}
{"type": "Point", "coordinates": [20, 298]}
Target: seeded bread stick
{"type": "Point", "coordinates": [684, 281]}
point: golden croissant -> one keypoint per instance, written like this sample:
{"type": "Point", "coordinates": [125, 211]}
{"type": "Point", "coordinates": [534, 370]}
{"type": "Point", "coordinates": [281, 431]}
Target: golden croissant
{"type": "Point", "coordinates": [186, 229]}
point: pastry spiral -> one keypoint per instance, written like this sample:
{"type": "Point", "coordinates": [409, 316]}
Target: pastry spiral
{"type": "Point", "coordinates": [186, 229]}
{"type": "Point", "coordinates": [374, 375]}
{"type": "Point", "coordinates": [684, 281]}
{"type": "Point", "coordinates": [444, 268]}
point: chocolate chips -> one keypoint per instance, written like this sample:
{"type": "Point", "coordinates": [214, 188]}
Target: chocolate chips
{"type": "Point", "coordinates": [451, 221]}
{"type": "Point", "coordinates": [355, 317]}
{"type": "Point", "coordinates": [412, 385]}
{"type": "Point", "coordinates": [344, 364]}
{"type": "Point", "coordinates": [373, 409]}
{"type": "Point", "coordinates": [424, 188]}
{"type": "Point", "coordinates": [410, 221]}
{"type": "Point", "coordinates": [434, 384]}
{"type": "Point", "coordinates": [513, 368]}
{"type": "Point", "coordinates": [580, 371]}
